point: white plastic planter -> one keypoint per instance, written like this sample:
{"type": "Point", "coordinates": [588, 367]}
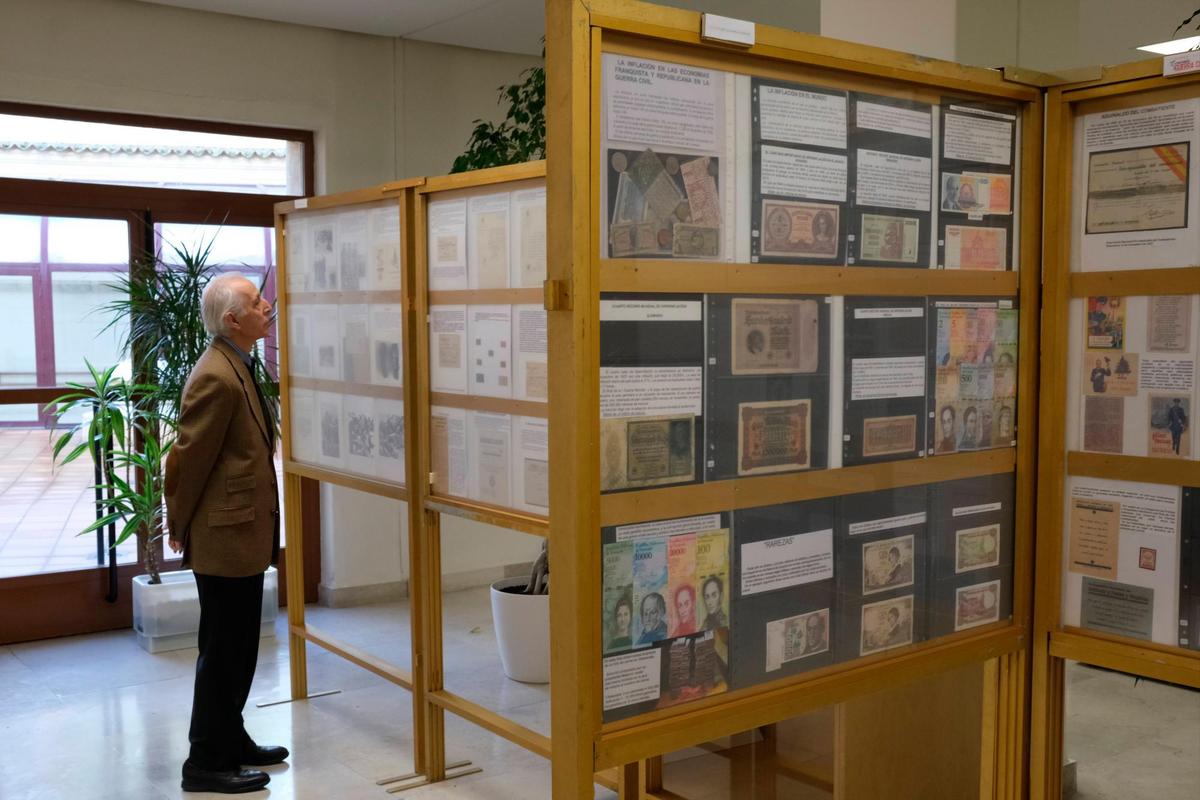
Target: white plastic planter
{"type": "Point", "coordinates": [522, 631]}
{"type": "Point", "coordinates": [166, 615]}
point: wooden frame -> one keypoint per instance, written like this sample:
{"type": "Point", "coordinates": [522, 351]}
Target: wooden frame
{"type": "Point", "coordinates": [1119, 87]}
{"type": "Point", "coordinates": [295, 473]}
{"type": "Point", "coordinates": [577, 35]}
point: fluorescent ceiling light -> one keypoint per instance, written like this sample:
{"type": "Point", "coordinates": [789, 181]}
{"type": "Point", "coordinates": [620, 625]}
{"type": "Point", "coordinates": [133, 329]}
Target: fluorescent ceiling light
{"type": "Point", "coordinates": [1174, 46]}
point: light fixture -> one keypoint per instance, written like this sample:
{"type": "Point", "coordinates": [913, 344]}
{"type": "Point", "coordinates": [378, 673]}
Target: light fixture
{"type": "Point", "coordinates": [1174, 46]}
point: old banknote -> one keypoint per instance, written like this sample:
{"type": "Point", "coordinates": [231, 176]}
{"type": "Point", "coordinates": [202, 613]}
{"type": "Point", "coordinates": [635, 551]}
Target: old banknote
{"type": "Point", "coordinates": [796, 637]}
{"type": "Point", "coordinates": [633, 239]}
{"type": "Point", "coordinates": [971, 247]}
{"type": "Point", "coordinates": [887, 564]}
{"type": "Point", "coordinates": [792, 229]}
{"type": "Point", "coordinates": [886, 624]}
{"type": "Point", "coordinates": [699, 181]}
{"type": "Point", "coordinates": [617, 596]}
{"type": "Point", "coordinates": [773, 436]}
{"type": "Point", "coordinates": [976, 548]}
{"type": "Point", "coordinates": [888, 435]}
{"type": "Point", "coordinates": [774, 336]}
{"type": "Point", "coordinates": [646, 451]}
{"type": "Point", "coordinates": [695, 241]}
{"type": "Point", "coordinates": [976, 605]}
{"type": "Point", "coordinates": [1138, 189]}
{"type": "Point", "coordinates": [887, 238]}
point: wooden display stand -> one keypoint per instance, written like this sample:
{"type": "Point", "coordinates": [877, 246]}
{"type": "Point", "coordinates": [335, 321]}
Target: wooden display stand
{"type": "Point", "coordinates": [1123, 87]}
{"type": "Point", "coordinates": [578, 35]}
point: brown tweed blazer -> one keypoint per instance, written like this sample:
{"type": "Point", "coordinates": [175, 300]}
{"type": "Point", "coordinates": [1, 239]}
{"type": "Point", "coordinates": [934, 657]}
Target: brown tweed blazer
{"type": "Point", "coordinates": [222, 497]}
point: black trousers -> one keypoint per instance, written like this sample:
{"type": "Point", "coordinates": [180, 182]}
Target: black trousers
{"type": "Point", "coordinates": [230, 611]}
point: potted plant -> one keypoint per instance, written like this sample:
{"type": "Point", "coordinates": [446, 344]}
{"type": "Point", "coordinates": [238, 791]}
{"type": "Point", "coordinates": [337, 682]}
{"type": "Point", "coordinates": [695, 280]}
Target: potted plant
{"type": "Point", "coordinates": [520, 136]}
{"type": "Point", "coordinates": [131, 429]}
{"type": "Point", "coordinates": [521, 614]}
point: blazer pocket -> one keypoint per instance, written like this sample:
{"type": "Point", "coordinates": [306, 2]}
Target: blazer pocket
{"type": "Point", "coordinates": [241, 484]}
{"type": "Point", "coordinates": [230, 516]}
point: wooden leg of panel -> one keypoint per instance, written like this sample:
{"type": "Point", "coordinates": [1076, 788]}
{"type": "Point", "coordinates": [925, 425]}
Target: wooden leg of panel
{"type": "Point", "coordinates": [988, 735]}
{"type": "Point", "coordinates": [297, 656]}
{"type": "Point", "coordinates": [654, 773]}
{"type": "Point", "coordinates": [765, 753]}
{"type": "Point", "coordinates": [417, 604]}
{"type": "Point", "coordinates": [630, 781]}
{"type": "Point", "coordinates": [1046, 727]}
{"type": "Point", "coordinates": [431, 593]}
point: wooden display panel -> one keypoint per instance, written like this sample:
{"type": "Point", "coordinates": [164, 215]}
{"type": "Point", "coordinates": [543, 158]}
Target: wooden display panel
{"type": "Point", "coordinates": [578, 36]}
{"type": "Point", "coordinates": [388, 199]}
{"type": "Point", "coordinates": [1073, 273]}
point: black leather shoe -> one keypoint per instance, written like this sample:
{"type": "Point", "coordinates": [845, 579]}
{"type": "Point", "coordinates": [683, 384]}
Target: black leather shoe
{"type": "Point", "coordinates": [225, 781]}
{"type": "Point", "coordinates": [261, 756]}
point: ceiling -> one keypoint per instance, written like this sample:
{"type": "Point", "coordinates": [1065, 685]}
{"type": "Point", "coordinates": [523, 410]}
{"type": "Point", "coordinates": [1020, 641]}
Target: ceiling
{"type": "Point", "coordinates": [512, 26]}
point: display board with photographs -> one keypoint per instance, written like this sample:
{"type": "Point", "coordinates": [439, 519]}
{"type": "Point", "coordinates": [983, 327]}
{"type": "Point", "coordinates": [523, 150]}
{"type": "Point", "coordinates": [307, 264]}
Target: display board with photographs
{"type": "Point", "coordinates": [345, 347]}
{"type": "Point", "coordinates": [703, 164]}
{"type": "Point", "coordinates": [488, 372]}
{"type": "Point", "coordinates": [695, 606]}
{"type": "Point", "coordinates": [1132, 368]}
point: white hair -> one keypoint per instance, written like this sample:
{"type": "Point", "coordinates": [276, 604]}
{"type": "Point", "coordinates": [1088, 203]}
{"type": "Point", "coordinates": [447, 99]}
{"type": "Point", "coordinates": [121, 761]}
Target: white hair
{"type": "Point", "coordinates": [221, 297]}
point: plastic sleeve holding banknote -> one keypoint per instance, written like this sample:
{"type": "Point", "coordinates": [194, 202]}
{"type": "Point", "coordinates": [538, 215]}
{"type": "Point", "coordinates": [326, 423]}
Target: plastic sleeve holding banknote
{"type": "Point", "coordinates": [345, 349]}
{"type": "Point", "coordinates": [976, 186]}
{"type": "Point", "coordinates": [697, 606]}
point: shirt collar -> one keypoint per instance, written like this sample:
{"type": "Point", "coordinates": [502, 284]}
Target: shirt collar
{"type": "Point", "coordinates": [246, 359]}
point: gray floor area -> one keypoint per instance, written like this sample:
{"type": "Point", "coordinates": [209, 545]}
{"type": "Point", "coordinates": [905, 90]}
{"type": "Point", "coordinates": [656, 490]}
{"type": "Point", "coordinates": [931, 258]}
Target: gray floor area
{"type": "Point", "coordinates": [1131, 738]}
{"type": "Point", "coordinates": [96, 717]}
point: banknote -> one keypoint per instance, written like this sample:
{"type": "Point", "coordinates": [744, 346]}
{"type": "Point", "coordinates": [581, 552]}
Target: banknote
{"type": "Point", "coordinates": [886, 624]}
{"type": "Point", "coordinates": [887, 564]}
{"type": "Point", "coordinates": [618, 596]}
{"type": "Point", "coordinates": [699, 181]}
{"type": "Point", "coordinates": [970, 247]}
{"type": "Point", "coordinates": [886, 238]}
{"type": "Point", "coordinates": [774, 336]}
{"type": "Point", "coordinates": [649, 591]}
{"type": "Point", "coordinates": [792, 229]}
{"type": "Point", "coordinates": [645, 169]}
{"type": "Point", "coordinates": [796, 637]}
{"type": "Point", "coordinates": [1138, 189]}
{"type": "Point", "coordinates": [976, 548]}
{"type": "Point", "coordinates": [631, 203]}
{"type": "Point", "coordinates": [633, 239]}
{"type": "Point", "coordinates": [888, 435]}
{"type": "Point", "coordinates": [966, 193]}
{"type": "Point", "coordinates": [695, 241]}
{"type": "Point", "coordinates": [976, 605]}
{"type": "Point", "coordinates": [999, 191]}
{"type": "Point", "coordinates": [681, 585]}
{"type": "Point", "coordinates": [712, 578]}
{"type": "Point", "coordinates": [646, 451]}
{"type": "Point", "coordinates": [773, 436]}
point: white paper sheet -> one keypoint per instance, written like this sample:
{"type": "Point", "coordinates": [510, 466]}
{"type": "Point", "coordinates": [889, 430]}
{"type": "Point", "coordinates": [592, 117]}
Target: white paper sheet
{"type": "Point", "coordinates": [803, 173]}
{"type": "Point", "coordinates": [786, 561]}
{"type": "Point", "coordinates": [356, 343]}
{"type": "Point", "coordinates": [303, 425]}
{"type": "Point", "coordinates": [447, 244]}
{"type": "Point", "coordinates": [489, 444]}
{"type": "Point", "coordinates": [323, 253]}
{"type": "Point", "coordinates": [529, 333]}
{"type": "Point", "coordinates": [529, 237]}
{"type": "Point", "coordinates": [352, 250]}
{"type": "Point", "coordinates": [448, 349]}
{"type": "Point", "coordinates": [362, 434]}
{"type": "Point", "coordinates": [531, 465]}
{"type": "Point", "coordinates": [879, 378]}
{"type": "Point", "coordinates": [661, 104]}
{"type": "Point", "coordinates": [326, 343]}
{"type": "Point", "coordinates": [389, 416]}
{"type": "Point", "coordinates": [448, 450]}
{"type": "Point", "coordinates": [650, 391]}
{"type": "Point", "coordinates": [489, 336]}
{"type": "Point", "coordinates": [793, 114]}
{"type": "Point", "coordinates": [977, 136]}
{"type": "Point", "coordinates": [387, 350]}
{"type": "Point", "coordinates": [893, 119]}
{"type": "Point", "coordinates": [383, 236]}
{"type": "Point", "coordinates": [487, 241]}
{"type": "Point", "coordinates": [331, 430]}
{"type": "Point", "coordinates": [632, 678]}
{"type": "Point", "coordinates": [894, 180]}
{"type": "Point", "coordinates": [299, 271]}
{"type": "Point", "coordinates": [299, 341]}
{"type": "Point", "coordinates": [1149, 536]}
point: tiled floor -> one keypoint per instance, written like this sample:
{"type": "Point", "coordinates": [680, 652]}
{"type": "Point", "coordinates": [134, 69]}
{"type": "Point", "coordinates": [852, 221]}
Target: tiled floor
{"type": "Point", "coordinates": [96, 717]}
{"type": "Point", "coordinates": [43, 507]}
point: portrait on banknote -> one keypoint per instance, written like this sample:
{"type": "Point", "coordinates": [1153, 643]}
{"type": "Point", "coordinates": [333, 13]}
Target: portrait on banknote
{"type": "Point", "coordinates": [883, 436]}
{"type": "Point", "coordinates": [976, 247]}
{"type": "Point", "coordinates": [773, 336]}
{"type": "Point", "coordinates": [773, 436]}
{"type": "Point", "coordinates": [965, 193]}
{"type": "Point", "coordinates": [888, 238]}
{"type": "Point", "coordinates": [886, 624]}
{"type": "Point", "coordinates": [646, 451]}
{"type": "Point", "coordinates": [976, 548]}
{"type": "Point", "coordinates": [663, 204]}
{"type": "Point", "coordinates": [976, 605]}
{"type": "Point", "coordinates": [1138, 189]}
{"type": "Point", "coordinates": [887, 564]}
{"type": "Point", "coordinates": [799, 230]}
{"type": "Point", "coordinates": [797, 637]}
{"type": "Point", "coordinates": [617, 596]}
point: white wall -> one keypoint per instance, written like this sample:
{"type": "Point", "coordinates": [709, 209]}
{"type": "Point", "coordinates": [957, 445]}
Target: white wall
{"type": "Point", "coordinates": [924, 27]}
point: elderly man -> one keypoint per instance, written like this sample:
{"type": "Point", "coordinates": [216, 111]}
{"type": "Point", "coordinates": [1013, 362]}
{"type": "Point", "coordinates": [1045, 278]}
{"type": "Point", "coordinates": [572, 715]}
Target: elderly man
{"type": "Point", "coordinates": [223, 514]}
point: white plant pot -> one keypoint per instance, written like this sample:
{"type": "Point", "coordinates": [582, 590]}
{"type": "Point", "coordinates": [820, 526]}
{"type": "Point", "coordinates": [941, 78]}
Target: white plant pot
{"type": "Point", "coordinates": [166, 615]}
{"type": "Point", "coordinates": [523, 632]}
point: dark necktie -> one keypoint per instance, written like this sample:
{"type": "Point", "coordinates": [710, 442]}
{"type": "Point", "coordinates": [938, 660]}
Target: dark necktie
{"type": "Point", "coordinates": [258, 372]}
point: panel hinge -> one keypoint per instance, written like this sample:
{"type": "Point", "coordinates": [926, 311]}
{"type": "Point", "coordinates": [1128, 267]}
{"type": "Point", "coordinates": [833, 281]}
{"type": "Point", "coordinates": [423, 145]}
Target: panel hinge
{"type": "Point", "coordinates": [556, 295]}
